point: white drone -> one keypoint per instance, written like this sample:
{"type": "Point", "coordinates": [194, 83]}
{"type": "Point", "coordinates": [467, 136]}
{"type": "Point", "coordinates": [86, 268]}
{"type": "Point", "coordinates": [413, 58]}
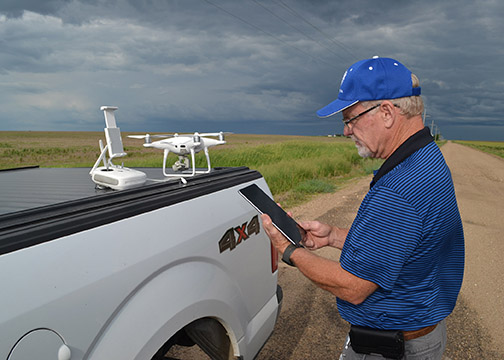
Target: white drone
{"type": "Point", "coordinates": [118, 177]}
{"type": "Point", "coordinates": [183, 145]}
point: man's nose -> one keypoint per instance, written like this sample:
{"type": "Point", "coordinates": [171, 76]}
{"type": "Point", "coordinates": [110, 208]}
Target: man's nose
{"type": "Point", "coordinates": [347, 130]}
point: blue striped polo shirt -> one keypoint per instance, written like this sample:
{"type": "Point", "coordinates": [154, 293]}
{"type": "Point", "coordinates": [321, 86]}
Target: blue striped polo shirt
{"type": "Point", "coordinates": [408, 239]}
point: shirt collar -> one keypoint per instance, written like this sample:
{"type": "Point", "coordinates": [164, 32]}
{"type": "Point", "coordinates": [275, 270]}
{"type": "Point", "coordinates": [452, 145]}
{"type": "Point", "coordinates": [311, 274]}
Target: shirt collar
{"type": "Point", "coordinates": [411, 145]}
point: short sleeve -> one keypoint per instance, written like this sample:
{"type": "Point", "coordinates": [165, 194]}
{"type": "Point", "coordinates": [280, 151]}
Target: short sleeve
{"type": "Point", "coordinates": [383, 236]}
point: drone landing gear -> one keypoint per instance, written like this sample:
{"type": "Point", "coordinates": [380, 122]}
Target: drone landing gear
{"type": "Point", "coordinates": [183, 164]}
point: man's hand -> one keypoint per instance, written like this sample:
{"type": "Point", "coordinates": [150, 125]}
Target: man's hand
{"type": "Point", "coordinates": [319, 235]}
{"type": "Point", "coordinates": [279, 241]}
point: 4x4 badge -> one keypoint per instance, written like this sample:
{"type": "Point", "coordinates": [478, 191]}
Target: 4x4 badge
{"type": "Point", "coordinates": [244, 231]}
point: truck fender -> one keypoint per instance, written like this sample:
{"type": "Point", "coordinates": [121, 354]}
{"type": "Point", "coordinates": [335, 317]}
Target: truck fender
{"type": "Point", "coordinates": [166, 302]}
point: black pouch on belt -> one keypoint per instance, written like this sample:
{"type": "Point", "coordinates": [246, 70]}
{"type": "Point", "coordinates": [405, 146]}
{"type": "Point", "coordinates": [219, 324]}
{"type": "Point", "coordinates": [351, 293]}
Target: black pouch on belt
{"type": "Point", "coordinates": [388, 343]}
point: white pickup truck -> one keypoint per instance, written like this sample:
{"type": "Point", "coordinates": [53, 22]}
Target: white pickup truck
{"type": "Point", "coordinates": [89, 273]}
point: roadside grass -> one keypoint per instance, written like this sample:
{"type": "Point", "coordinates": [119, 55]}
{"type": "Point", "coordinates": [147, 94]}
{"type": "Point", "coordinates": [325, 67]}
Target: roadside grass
{"type": "Point", "coordinates": [490, 147]}
{"type": "Point", "coordinates": [295, 167]}
{"type": "Point", "coordinates": [48, 149]}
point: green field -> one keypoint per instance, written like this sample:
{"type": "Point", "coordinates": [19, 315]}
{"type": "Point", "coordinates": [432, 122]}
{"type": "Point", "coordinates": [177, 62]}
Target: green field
{"type": "Point", "coordinates": [491, 147]}
{"type": "Point", "coordinates": [295, 167]}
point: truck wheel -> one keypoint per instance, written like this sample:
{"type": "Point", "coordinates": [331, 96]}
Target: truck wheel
{"type": "Point", "coordinates": [180, 338]}
{"type": "Point", "coordinates": [211, 337]}
{"type": "Point", "coordinates": [207, 333]}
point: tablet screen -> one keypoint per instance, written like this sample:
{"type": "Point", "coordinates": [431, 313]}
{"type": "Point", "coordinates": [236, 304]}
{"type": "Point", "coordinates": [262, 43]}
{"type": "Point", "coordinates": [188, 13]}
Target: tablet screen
{"type": "Point", "coordinates": [265, 205]}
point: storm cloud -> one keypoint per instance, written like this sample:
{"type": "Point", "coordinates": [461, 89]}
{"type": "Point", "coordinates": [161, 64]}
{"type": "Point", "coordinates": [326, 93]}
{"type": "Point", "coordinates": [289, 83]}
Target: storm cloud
{"type": "Point", "coordinates": [243, 66]}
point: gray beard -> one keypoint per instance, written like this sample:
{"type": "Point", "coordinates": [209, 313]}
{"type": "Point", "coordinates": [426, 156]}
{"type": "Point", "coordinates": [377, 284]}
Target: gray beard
{"type": "Point", "coordinates": [362, 150]}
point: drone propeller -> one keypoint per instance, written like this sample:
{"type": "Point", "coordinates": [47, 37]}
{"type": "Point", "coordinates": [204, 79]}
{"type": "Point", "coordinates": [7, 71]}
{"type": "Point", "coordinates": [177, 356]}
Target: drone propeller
{"type": "Point", "coordinates": [148, 136]}
{"type": "Point", "coordinates": [197, 136]}
{"type": "Point", "coordinates": [200, 134]}
{"type": "Point", "coordinates": [216, 133]}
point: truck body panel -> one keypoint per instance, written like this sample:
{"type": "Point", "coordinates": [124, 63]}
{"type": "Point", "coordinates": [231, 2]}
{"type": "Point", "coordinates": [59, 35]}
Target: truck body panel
{"type": "Point", "coordinates": [115, 274]}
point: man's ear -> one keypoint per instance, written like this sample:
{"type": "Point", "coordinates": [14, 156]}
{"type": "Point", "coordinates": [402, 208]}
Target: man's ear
{"type": "Point", "coordinates": [388, 113]}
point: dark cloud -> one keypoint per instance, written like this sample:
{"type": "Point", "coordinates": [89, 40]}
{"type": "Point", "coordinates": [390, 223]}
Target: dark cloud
{"type": "Point", "coordinates": [242, 66]}
{"type": "Point", "coordinates": [16, 8]}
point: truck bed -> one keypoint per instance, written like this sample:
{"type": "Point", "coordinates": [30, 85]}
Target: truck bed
{"type": "Point", "coordinates": [42, 204]}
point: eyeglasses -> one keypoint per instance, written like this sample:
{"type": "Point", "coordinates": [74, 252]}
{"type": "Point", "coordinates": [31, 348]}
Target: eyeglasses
{"type": "Point", "coordinates": [346, 122]}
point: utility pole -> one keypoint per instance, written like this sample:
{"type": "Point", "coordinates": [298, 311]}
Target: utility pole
{"type": "Point", "coordinates": [425, 115]}
{"type": "Point", "coordinates": [432, 124]}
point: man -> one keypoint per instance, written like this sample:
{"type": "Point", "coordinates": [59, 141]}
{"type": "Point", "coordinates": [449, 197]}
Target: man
{"type": "Point", "coordinates": [402, 260]}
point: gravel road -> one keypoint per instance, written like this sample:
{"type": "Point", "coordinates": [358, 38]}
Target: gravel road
{"type": "Point", "coordinates": [309, 326]}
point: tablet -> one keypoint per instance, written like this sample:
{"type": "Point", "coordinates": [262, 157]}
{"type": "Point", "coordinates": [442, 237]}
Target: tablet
{"type": "Point", "coordinates": [265, 205]}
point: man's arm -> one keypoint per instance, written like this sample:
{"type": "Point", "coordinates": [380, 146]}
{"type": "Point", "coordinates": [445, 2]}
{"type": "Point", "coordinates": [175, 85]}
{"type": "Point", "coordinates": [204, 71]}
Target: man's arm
{"type": "Point", "coordinates": [325, 273]}
{"type": "Point", "coordinates": [330, 276]}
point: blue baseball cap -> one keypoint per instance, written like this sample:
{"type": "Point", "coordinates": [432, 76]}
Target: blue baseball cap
{"type": "Point", "coordinates": [371, 79]}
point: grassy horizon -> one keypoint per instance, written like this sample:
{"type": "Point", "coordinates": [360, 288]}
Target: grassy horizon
{"type": "Point", "coordinates": [295, 167]}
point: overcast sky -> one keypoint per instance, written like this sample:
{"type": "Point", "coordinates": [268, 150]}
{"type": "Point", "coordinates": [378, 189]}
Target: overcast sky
{"type": "Point", "coordinates": [246, 66]}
